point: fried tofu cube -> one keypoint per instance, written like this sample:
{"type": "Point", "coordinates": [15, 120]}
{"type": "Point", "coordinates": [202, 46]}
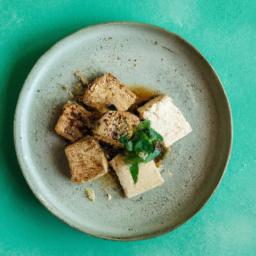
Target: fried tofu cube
{"type": "Point", "coordinates": [86, 160]}
{"type": "Point", "coordinates": [108, 90]}
{"type": "Point", "coordinates": [165, 118]}
{"type": "Point", "coordinates": [113, 124]}
{"type": "Point", "coordinates": [149, 176]}
{"type": "Point", "coordinates": [73, 121]}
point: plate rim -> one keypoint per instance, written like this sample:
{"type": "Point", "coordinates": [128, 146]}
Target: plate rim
{"type": "Point", "coordinates": [29, 179]}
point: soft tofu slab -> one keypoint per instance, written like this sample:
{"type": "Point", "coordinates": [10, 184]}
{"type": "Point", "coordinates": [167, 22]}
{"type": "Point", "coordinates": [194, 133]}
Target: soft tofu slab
{"type": "Point", "coordinates": [166, 119]}
{"type": "Point", "coordinates": [149, 177]}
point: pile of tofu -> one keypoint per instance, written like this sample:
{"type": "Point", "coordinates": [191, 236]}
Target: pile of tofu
{"type": "Point", "coordinates": [89, 125]}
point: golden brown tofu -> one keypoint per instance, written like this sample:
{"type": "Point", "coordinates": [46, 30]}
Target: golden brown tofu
{"type": "Point", "coordinates": [86, 160]}
{"type": "Point", "coordinates": [108, 90]}
{"type": "Point", "coordinates": [113, 124]}
{"type": "Point", "coordinates": [73, 121]}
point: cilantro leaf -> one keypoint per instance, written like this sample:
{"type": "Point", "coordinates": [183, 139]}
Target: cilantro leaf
{"type": "Point", "coordinates": [154, 135]}
{"type": "Point", "coordinates": [123, 139]}
{"type": "Point", "coordinates": [140, 135]}
{"type": "Point", "coordinates": [133, 159]}
{"type": "Point", "coordinates": [134, 169]}
{"type": "Point", "coordinates": [129, 146]}
{"type": "Point", "coordinates": [144, 125]}
{"type": "Point", "coordinates": [152, 155]}
{"type": "Point", "coordinates": [143, 146]}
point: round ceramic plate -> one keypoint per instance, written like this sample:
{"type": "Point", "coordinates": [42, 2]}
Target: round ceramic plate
{"type": "Point", "coordinates": [137, 54]}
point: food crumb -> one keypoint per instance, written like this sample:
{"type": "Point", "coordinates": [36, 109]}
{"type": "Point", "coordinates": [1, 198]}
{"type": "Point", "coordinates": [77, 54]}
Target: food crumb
{"type": "Point", "coordinates": [90, 194]}
{"type": "Point", "coordinates": [80, 77]}
{"type": "Point", "coordinates": [71, 94]}
{"type": "Point", "coordinates": [78, 89]}
{"type": "Point", "coordinates": [170, 173]}
{"type": "Point", "coordinates": [64, 87]}
{"type": "Point", "coordinates": [109, 196]}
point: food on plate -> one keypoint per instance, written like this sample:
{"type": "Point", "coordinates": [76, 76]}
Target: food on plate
{"type": "Point", "coordinates": [106, 91]}
{"type": "Point", "coordinates": [114, 124]}
{"type": "Point", "coordinates": [73, 121]}
{"type": "Point", "coordinates": [109, 197]}
{"type": "Point", "coordinates": [86, 160]}
{"type": "Point", "coordinates": [121, 131]}
{"type": "Point", "coordinates": [144, 146]}
{"type": "Point", "coordinates": [166, 119]}
{"type": "Point", "coordinates": [149, 176]}
{"type": "Point", "coordinates": [90, 194]}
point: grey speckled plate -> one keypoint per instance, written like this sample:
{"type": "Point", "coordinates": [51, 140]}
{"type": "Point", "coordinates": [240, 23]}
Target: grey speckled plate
{"type": "Point", "coordinates": [137, 54]}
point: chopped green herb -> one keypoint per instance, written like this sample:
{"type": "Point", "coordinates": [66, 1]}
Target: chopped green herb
{"type": "Point", "coordinates": [133, 159]}
{"type": "Point", "coordinates": [140, 135]}
{"type": "Point", "coordinates": [134, 169]}
{"type": "Point", "coordinates": [152, 155]}
{"type": "Point", "coordinates": [129, 146]}
{"type": "Point", "coordinates": [123, 139]}
{"type": "Point", "coordinates": [143, 125]}
{"type": "Point", "coordinates": [154, 135]}
{"type": "Point", "coordinates": [144, 146]}
{"type": "Point", "coordinates": [143, 155]}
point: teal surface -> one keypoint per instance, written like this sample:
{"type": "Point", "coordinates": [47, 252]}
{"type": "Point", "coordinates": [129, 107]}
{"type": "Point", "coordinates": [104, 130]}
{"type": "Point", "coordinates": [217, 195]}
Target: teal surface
{"type": "Point", "coordinates": [224, 32]}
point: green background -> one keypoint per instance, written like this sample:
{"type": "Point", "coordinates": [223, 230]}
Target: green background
{"type": "Point", "coordinates": [224, 32]}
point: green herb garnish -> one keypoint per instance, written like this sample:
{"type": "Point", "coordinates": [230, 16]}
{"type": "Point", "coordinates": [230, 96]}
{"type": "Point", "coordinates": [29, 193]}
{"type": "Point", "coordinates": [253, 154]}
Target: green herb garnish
{"type": "Point", "coordinates": [142, 147]}
{"type": "Point", "coordinates": [129, 146]}
{"type": "Point", "coordinates": [152, 155]}
{"type": "Point", "coordinates": [143, 125]}
{"type": "Point", "coordinates": [123, 139]}
{"type": "Point", "coordinates": [134, 169]}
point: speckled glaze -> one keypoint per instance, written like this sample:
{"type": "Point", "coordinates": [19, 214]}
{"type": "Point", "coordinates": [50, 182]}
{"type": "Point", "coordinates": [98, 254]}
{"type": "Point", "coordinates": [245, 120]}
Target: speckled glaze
{"type": "Point", "coordinates": [137, 54]}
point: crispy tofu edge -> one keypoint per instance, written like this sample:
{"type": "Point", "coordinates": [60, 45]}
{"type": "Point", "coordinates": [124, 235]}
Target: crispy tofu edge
{"type": "Point", "coordinates": [59, 128]}
{"type": "Point", "coordinates": [104, 78]}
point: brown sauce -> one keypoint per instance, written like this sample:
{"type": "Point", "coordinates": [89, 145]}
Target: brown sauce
{"type": "Point", "coordinates": [143, 93]}
{"type": "Point", "coordinates": [109, 181]}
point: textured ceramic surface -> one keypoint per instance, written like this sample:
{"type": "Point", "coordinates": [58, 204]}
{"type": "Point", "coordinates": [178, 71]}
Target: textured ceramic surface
{"type": "Point", "coordinates": [137, 54]}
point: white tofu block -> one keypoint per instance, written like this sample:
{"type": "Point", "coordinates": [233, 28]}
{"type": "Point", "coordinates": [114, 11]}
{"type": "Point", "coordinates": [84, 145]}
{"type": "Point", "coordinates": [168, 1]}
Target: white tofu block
{"type": "Point", "coordinates": [166, 119]}
{"type": "Point", "coordinates": [149, 177]}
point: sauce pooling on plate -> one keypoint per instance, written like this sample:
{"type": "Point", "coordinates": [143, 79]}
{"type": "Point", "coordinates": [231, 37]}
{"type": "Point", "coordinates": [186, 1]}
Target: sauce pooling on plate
{"type": "Point", "coordinates": [143, 93]}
